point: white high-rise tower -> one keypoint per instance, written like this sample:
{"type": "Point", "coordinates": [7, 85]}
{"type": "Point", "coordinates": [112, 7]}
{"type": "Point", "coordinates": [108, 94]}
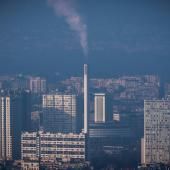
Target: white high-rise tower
{"type": "Point", "coordinates": [5, 129]}
{"type": "Point", "coordinates": [85, 98]}
{"type": "Point", "coordinates": [99, 108]}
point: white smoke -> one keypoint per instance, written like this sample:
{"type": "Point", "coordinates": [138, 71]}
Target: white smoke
{"type": "Point", "coordinates": [66, 9]}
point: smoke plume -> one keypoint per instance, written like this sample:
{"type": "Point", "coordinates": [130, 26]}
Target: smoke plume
{"type": "Point", "coordinates": [66, 9]}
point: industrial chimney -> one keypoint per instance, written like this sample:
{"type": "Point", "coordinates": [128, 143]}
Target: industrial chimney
{"type": "Point", "coordinates": [85, 98]}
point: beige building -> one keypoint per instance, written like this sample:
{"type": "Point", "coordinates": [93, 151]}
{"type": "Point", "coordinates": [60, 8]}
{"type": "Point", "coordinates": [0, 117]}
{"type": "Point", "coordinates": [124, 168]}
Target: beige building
{"type": "Point", "coordinates": [59, 113]}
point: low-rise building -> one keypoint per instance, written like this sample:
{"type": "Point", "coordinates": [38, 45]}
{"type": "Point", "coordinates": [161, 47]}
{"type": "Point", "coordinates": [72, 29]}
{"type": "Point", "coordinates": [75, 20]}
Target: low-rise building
{"type": "Point", "coordinates": [42, 146]}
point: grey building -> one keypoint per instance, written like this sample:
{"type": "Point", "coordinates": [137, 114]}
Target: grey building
{"type": "Point", "coordinates": [156, 141]}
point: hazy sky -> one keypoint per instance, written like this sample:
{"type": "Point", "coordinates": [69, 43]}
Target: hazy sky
{"type": "Point", "coordinates": [124, 37]}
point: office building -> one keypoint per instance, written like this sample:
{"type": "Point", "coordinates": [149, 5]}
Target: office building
{"type": "Point", "coordinates": [156, 142]}
{"type": "Point", "coordinates": [59, 113]}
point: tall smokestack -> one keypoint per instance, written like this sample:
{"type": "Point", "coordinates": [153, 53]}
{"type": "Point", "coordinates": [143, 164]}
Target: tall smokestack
{"type": "Point", "coordinates": [85, 98]}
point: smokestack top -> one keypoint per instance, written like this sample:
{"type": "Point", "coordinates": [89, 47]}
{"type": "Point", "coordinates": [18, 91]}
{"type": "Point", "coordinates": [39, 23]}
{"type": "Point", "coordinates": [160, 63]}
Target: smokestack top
{"type": "Point", "coordinates": [85, 69]}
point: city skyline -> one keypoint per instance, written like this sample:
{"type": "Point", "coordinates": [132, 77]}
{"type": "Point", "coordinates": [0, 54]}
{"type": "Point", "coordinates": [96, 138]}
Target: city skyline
{"type": "Point", "coordinates": [85, 84]}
